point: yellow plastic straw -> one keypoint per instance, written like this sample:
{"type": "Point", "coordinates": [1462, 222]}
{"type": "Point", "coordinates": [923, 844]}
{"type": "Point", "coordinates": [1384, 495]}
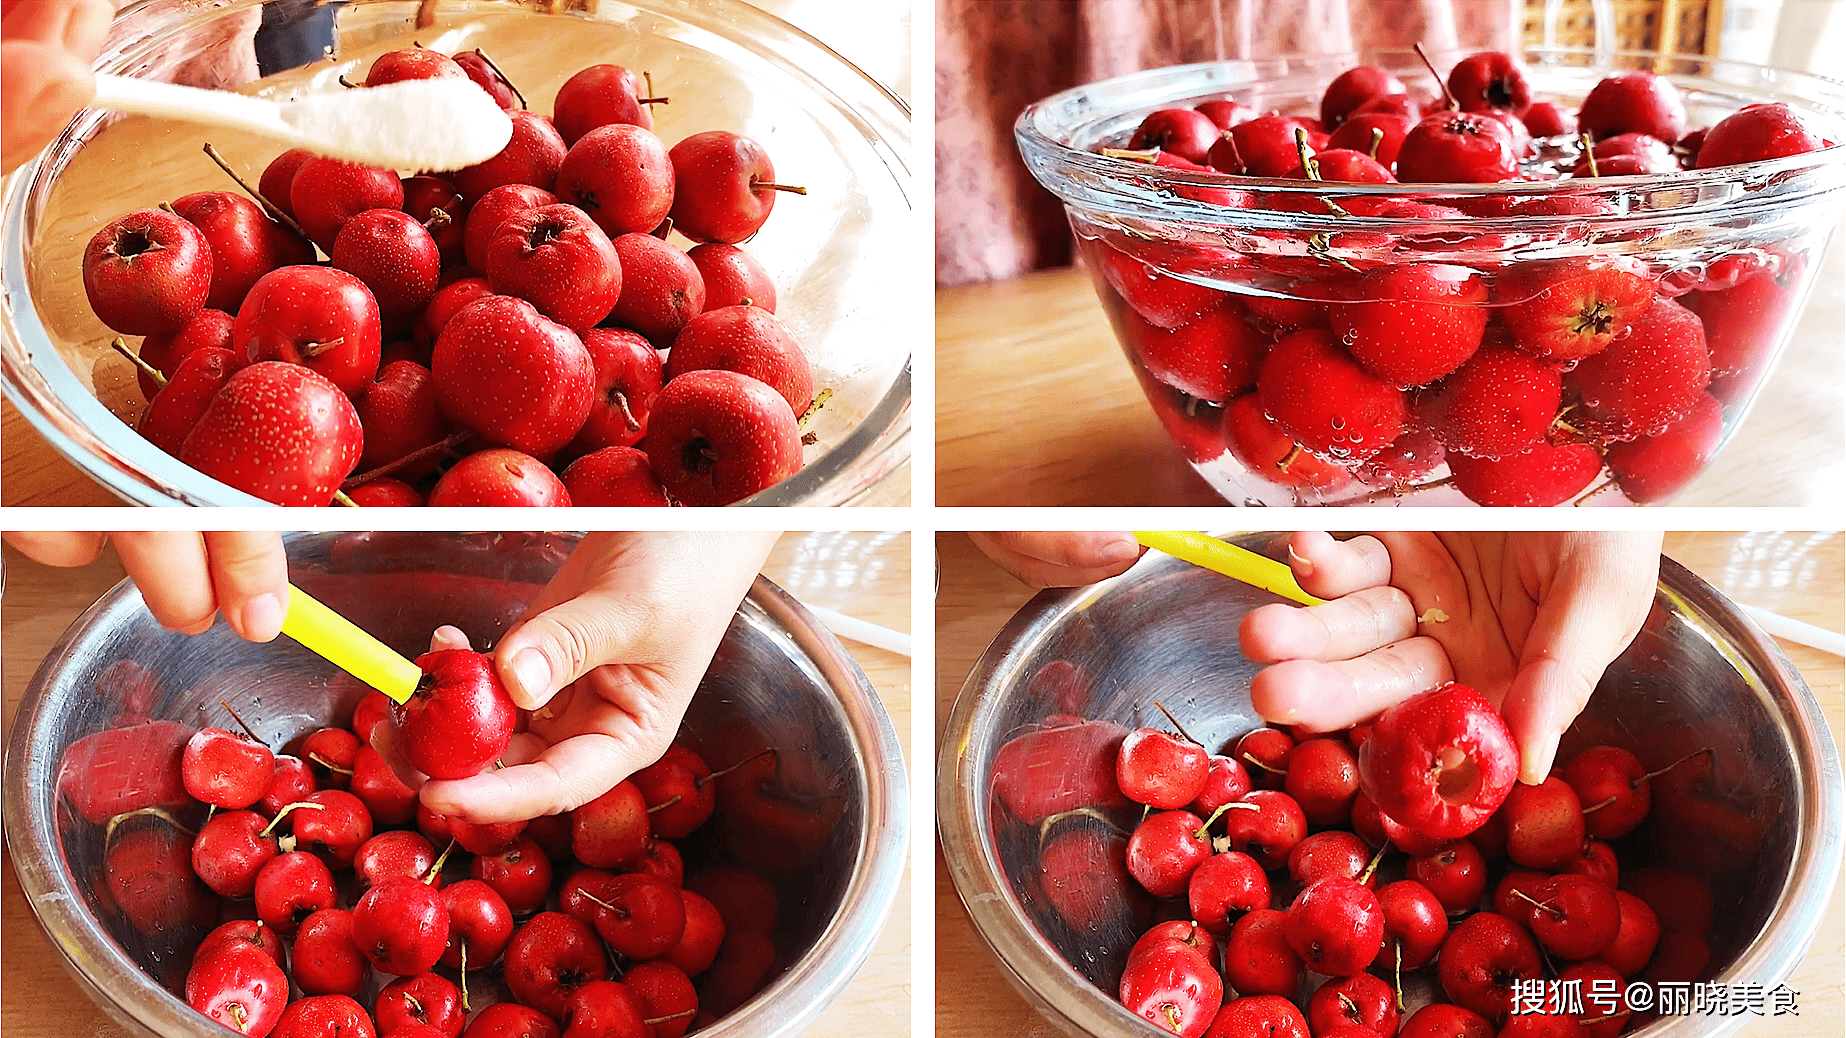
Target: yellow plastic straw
{"type": "Point", "coordinates": [1230, 560]}
{"type": "Point", "coordinates": [344, 645]}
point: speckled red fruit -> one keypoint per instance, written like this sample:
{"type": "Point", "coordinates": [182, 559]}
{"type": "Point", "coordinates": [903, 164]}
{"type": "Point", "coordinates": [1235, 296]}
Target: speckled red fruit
{"type": "Point", "coordinates": [719, 192]}
{"type": "Point", "coordinates": [165, 351]}
{"type": "Point", "coordinates": [1540, 477]}
{"type": "Point", "coordinates": [1648, 380]}
{"type": "Point", "coordinates": [1415, 926]}
{"type": "Point", "coordinates": [1336, 926]}
{"type": "Point", "coordinates": [1258, 1016]}
{"type": "Point", "coordinates": [226, 770]}
{"type": "Point", "coordinates": [720, 436]}
{"type": "Point", "coordinates": [1636, 936]}
{"type": "Point", "coordinates": [1258, 959]}
{"type": "Point", "coordinates": [240, 988]}
{"type": "Point", "coordinates": [1266, 145]}
{"type": "Point", "coordinates": [486, 215]}
{"type": "Point", "coordinates": [1457, 147]}
{"type": "Point", "coordinates": [513, 376]}
{"type": "Point", "coordinates": [1544, 824]}
{"type": "Point", "coordinates": [747, 340]}
{"type": "Point", "coordinates": [1213, 358]}
{"type": "Point", "coordinates": [393, 255]}
{"type": "Point", "coordinates": [1265, 751]}
{"type": "Point", "coordinates": [1490, 80]}
{"type": "Point", "coordinates": [479, 920]}
{"type": "Point", "coordinates": [1634, 102]}
{"type": "Point", "coordinates": [485, 76]}
{"type": "Point", "coordinates": [1566, 310]}
{"type": "Point", "coordinates": [1361, 1001]}
{"type": "Point", "coordinates": [401, 927]}
{"type": "Point", "coordinates": [277, 431]}
{"type": "Point", "coordinates": [556, 258]}
{"type": "Point", "coordinates": [245, 243]}
{"type": "Point", "coordinates": [398, 66]}
{"type": "Point", "coordinates": [662, 288]}
{"type": "Point", "coordinates": [1165, 848]}
{"type": "Point", "coordinates": [1323, 776]}
{"type": "Point", "coordinates": [1266, 451]}
{"type": "Point", "coordinates": [597, 96]}
{"type": "Point", "coordinates": [1331, 852]}
{"type": "Point", "coordinates": [425, 1000]}
{"type": "Point", "coordinates": [532, 156]}
{"type": "Point", "coordinates": [458, 720]}
{"type": "Point", "coordinates": [1223, 888]}
{"type": "Point", "coordinates": [1160, 770]}
{"type": "Point", "coordinates": [1499, 403]}
{"type": "Point", "coordinates": [1352, 88]}
{"type": "Point", "coordinates": [732, 277]}
{"type": "Point", "coordinates": [1455, 872]}
{"type": "Point", "coordinates": [1439, 762]}
{"type": "Point", "coordinates": [1441, 1020]}
{"type": "Point", "coordinates": [1271, 831]}
{"type": "Point", "coordinates": [325, 193]}
{"type": "Point", "coordinates": [1650, 469]}
{"type": "Point", "coordinates": [1575, 917]}
{"type": "Point", "coordinates": [291, 887]}
{"type": "Point", "coordinates": [1182, 131]}
{"type": "Point", "coordinates": [622, 176]}
{"type": "Point", "coordinates": [1358, 131]}
{"type": "Point", "coordinates": [400, 415]}
{"type": "Point", "coordinates": [326, 961]}
{"type": "Point", "coordinates": [1225, 781]}
{"type": "Point", "coordinates": [321, 318]}
{"type": "Point", "coordinates": [614, 477]}
{"type": "Point", "coordinates": [1757, 132]}
{"type": "Point", "coordinates": [1612, 781]}
{"type": "Point", "coordinates": [1326, 401]}
{"type": "Point", "coordinates": [499, 478]}
{"type": "Point", "coordinates": [147, 272]}
{"type": "Point", "coordinates": [1482, 958]}
{"type": "Point", "coordinates": [549, 958]}
{"type": "Point", "coordinates": [279, 178]}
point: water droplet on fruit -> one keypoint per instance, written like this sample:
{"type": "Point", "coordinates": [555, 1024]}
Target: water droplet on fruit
{"type": "Point", "coordinates": [1339, 422]}
{"type": "Point", "coordinates": [1351, 336]}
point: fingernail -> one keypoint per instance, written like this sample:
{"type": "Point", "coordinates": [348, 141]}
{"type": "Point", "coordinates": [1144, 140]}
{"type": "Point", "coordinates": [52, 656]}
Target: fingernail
{"type": "Point", "coordinates": [263, 617]}
{"type": "Point", "coordinates": [1302, 566]}
{"type": "Point", "coordinates": [1121, 549]}
{"type": "Point", "coordinates": [532, 672]}
{"type": "Point", "coordinates": [1538, 761]}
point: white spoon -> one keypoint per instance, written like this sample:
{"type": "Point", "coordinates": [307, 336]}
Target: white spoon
{"type": "Point", "coordinates": [420, 125]}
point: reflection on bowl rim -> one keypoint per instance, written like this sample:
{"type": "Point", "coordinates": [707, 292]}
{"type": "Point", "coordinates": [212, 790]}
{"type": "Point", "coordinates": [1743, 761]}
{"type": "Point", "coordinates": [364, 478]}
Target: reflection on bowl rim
{"type": "Point", "coordinates": [1122, 184]}
{"type": "Point", "coordinates": [1061, 994]}
{"type": "Point", "coordinates": [67, 414]}
{"type": "Point", "coordinates": [814, 980]}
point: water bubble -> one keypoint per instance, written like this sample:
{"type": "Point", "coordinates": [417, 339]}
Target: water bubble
{"type": "Point", "coordinates": [1351, 336]}
{"type": "Point", "coordinates": [1339, 421]}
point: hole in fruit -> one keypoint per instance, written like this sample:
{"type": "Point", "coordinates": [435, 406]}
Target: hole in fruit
{"type": "Point", "coordinates": [698, 455]}
{"type": "Point", "coordinates": [544, 231]}
{"type": "Point", "coordinates": [133, 243]}
{"type": "Point", "coordinates": [1457, 776]}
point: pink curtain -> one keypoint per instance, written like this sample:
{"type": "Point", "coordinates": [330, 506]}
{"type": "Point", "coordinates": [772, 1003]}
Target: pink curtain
{"type": "Point", "coordinates": [994, 57]}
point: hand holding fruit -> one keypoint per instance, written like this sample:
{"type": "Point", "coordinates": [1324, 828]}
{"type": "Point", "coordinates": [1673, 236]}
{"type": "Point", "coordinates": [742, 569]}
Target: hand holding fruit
{"type": "Point", "coordinates": [186, 578]}
{"type": "Point", "coordinates": [1528, 619]}
{"type": "Point", "coordinates": [607, 661]}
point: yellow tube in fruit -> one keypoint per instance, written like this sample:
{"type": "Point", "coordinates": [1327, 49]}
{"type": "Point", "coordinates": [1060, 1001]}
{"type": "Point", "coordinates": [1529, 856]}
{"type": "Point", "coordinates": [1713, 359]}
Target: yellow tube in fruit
{"type": "Point", "coordinates": [1230, 560]}
{"type": "Point", "coordinates": [340, 642]}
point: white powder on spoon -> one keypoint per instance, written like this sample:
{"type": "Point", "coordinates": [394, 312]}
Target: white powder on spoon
{"type": "Point", "coordinates": [422, 125]}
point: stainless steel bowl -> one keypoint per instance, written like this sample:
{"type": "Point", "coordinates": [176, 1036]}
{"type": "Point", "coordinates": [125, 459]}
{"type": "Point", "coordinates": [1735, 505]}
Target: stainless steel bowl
{"type": "Point", "coordinates": [779, 680]}
{"type": "Point", "coordinates": [1766, 829]}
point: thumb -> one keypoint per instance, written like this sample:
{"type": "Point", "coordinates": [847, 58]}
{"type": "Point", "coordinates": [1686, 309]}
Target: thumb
{"type": "Point", "coordinates": [556, 647]}
{"type": "Point", "coordinates": [1595, 607]}
{"type": "Point", "coordinates": [44, 85]}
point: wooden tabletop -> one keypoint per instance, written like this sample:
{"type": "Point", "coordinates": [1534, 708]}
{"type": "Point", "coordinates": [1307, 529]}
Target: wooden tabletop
{"type": "Point", "coordinates": [865, 575]}
{"type": "Point", "coordinates": [1035, 405]}
{"type": "Point", "coordinates": [1795, 574]}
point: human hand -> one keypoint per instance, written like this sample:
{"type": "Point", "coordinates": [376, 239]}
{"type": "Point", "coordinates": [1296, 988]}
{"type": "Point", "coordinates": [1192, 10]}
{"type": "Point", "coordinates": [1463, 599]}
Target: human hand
{"type": "Point", "coordinates": [186, 578]}
{"type": "Point", "coordinates": [1059, 558]}
{"type": "Point", "coordinates": [1533, 619]}
{"type": "Point", "coordinates": [607, 660]}
{"type": "Point", "coordinates": [46, 47]}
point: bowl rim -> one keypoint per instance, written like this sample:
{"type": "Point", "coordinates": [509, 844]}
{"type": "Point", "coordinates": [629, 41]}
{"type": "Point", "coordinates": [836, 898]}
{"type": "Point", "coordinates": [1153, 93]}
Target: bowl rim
{"type": "Point", "coordinates": [39, 382]}
{"type": "Point", "coordinates": [798, 995]}
{"type": "Point", "coordinates": [1070, 1001]}
{"type": "Point", "coordinates": [1048, 157]}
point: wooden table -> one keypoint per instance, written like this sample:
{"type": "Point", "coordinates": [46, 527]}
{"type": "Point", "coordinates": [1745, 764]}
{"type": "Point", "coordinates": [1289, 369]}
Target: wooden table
{"type": "Point", "coordinates": [866, 575]}
{"type": "Point", "coordinates": [1795, 574]}
{"type": "Point", "coordinates": [1035, 405]}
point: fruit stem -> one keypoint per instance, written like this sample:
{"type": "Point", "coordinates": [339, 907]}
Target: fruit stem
{"type": "Point", "coordinates": [329, 765]}
{"type": "Point", "coordinates": [655, 1021]}
{"type": "Point", "coordinates": [714, 776]}
{"type": "Point", "coordinates": [1309, 168]}
{"type": "Point", "coordinates": [240, 723]}
{"type": "Point", "coordinates": [1556, 912]}
{"type": "Point", "coordinates": [438, 219]}
{"type": "Point", "coordinates": [1600, 806]}
{"type": "Point", "coordinates": [340, 498]}
{"type": "Point", "coordinates": [1397, 972]}
{"type": "Point", "coordinates": [664, 804]}
{"type": "Point", "coordinates": [1636, 784]}
{"type": "Point", "coordinates": [650, 99]}
{"type": "Point", "coordinates": [1176, 724]}
{"type": "Point", "coordinates": [1045, 827]}
{"type": "Point", "coordinates": [422, 454]}
{"type": "Point", "coordinates": [464, 977]}
{"type": "Point", "coordinates": [628, 416]}
{"type": "Point", "coordinates": [311, 350]}
{"type": "Point", "coordinates": [1593, 491]}
{"type": "Point", "coordinates": [1372, 866]}
{"type": "Point", "coordinates": [1215, 815]}
{"type": "Point", "coordinates": [1257, 763]}
{"type": "Point", "coordinates": [152, 812]}
{"type": "Point", "coordinates": [1149, 155]}
{"type": "Point", "coordinates": [269, 207]}
{"type": "Point", "coordinates": [814, 406]}
{"type": "Point", "coordinates": [1400, 491]}
{"type": "Point", "coordinates": [1447, 97]}
{"type": "Point", "coordinates": [435, 871]}
{"type": "Point", "coordinates": [790, 188]}
{"type": "Point", "coordinates": [508, 80]}
{"type": "Point", "coordinates": [286, 808]}
{"type": "Point", "coordinates": [1589, 152]}
{"type": "Point", "coordinates": [147, 369]}
{"type": "Point", "coordinates": [1377, 139]}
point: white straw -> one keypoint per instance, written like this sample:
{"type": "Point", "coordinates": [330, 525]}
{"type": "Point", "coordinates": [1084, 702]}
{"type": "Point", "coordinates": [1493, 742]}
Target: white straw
{"type": "Point", "coordinates": [1797, 631]}
{"type": "Point", "coordinates": [862, 631]}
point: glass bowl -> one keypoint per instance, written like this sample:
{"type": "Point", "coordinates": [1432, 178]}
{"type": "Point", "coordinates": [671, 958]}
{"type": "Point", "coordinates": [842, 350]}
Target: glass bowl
{"type": "Point", "coordinates": [832, 838]}
{"type": "Point", "coordinates": [1763, 827]}
{"type": "Point", "coordinates": [1261, 258]}
{"type": "Point", "coordinates": [833, 254]}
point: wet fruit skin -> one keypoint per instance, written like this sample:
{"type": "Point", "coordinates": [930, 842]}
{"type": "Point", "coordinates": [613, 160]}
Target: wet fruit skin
{"type": "Point", "coordinates": [459, 719]}
{"type": "Point", "coordinates": [1326, 401]}
{"type": "Point", "coordinates": [147, 272]}
{"type": "Point", "coordinates": [1440, 762]}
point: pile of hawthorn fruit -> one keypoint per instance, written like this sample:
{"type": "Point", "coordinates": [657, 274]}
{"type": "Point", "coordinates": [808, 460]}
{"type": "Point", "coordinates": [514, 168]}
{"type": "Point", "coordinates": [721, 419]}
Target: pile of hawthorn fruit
{"type": "Point", "coordinates": [1264, 866]}
{"type": "Point", "coordinates": [322, 879]}
{"type": "Point", "coordinates": [519, 332]}
{"type": "Point", "coordinates": [1355, 370]}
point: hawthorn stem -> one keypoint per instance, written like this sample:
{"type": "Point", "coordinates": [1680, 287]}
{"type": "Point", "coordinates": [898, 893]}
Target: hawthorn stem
{"type": "Point", "coordinates": [814, 406]}
{"type": "Point", "coordinates": [1273, 771]}
{"type": "Point", "coordinates": [1400, 491]}
{"type": "Point", "coordinates": [1377, 139]}
{"type": "Point", "coordinates": [286, 808]}
{"type": "Point", "coordinates": [664, 804]}
{"type": "Point", "coordinates": [628, 416]}
{"type": "Point", "coordinates": [1372, 866]}
{"type": "Point", "coordinates": [152, 812]}
{"type": "Point", "coordinates": [1592, 492]}
{"type": "Point", "coordinates": [340, 498]}
{"type": "Point", "coordinates": [1397, 973]}
{"type": "Point", "coordinates": [716, 775]}
{"type": "Point", "coordinates": [1589, 152]}
{"type": "Point", "coordinates": [423, 454]}
{"type": "Point", "coordinates": [464, 978]}
{"type": "Point", "coordinates": [1149, 155]}
{"type": "Point", "coordinates": [682, 1014]}
{"type": "Point", "coordinates": [508, 80]}
{"type": "Point", "coordinates": [790, 188]}
{"type": "Point", "coordinates": [240, 723]}
{"type": "Point", "coordinates": [329, 765]}
{"type": "Point", "coordinates": [650, 99]}
{"type": "Point", "coordinates": [1447, 97]}
{"type": "Point", "coordinates": [1176, 724]}
{"type": "Point", "coordinates": [1636, 784]}
{"type": "Point", "coordinates": [1600, 806]}
{"type": "Point", "coordinates": [269, 207]}
{"type": "Point", "coordinates": [1556, 912]}
{"type": "Point", "coordinates": [147, 369]}
{"type": "Point", "coordinates": [435, 871]}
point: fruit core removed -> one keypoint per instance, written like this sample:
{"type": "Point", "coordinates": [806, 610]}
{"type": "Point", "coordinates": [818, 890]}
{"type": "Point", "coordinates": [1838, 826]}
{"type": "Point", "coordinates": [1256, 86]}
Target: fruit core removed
{"type": "Point", "coordinates": [1456, 776]}
{"type": "Point", "coordinates": [133, 243]}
